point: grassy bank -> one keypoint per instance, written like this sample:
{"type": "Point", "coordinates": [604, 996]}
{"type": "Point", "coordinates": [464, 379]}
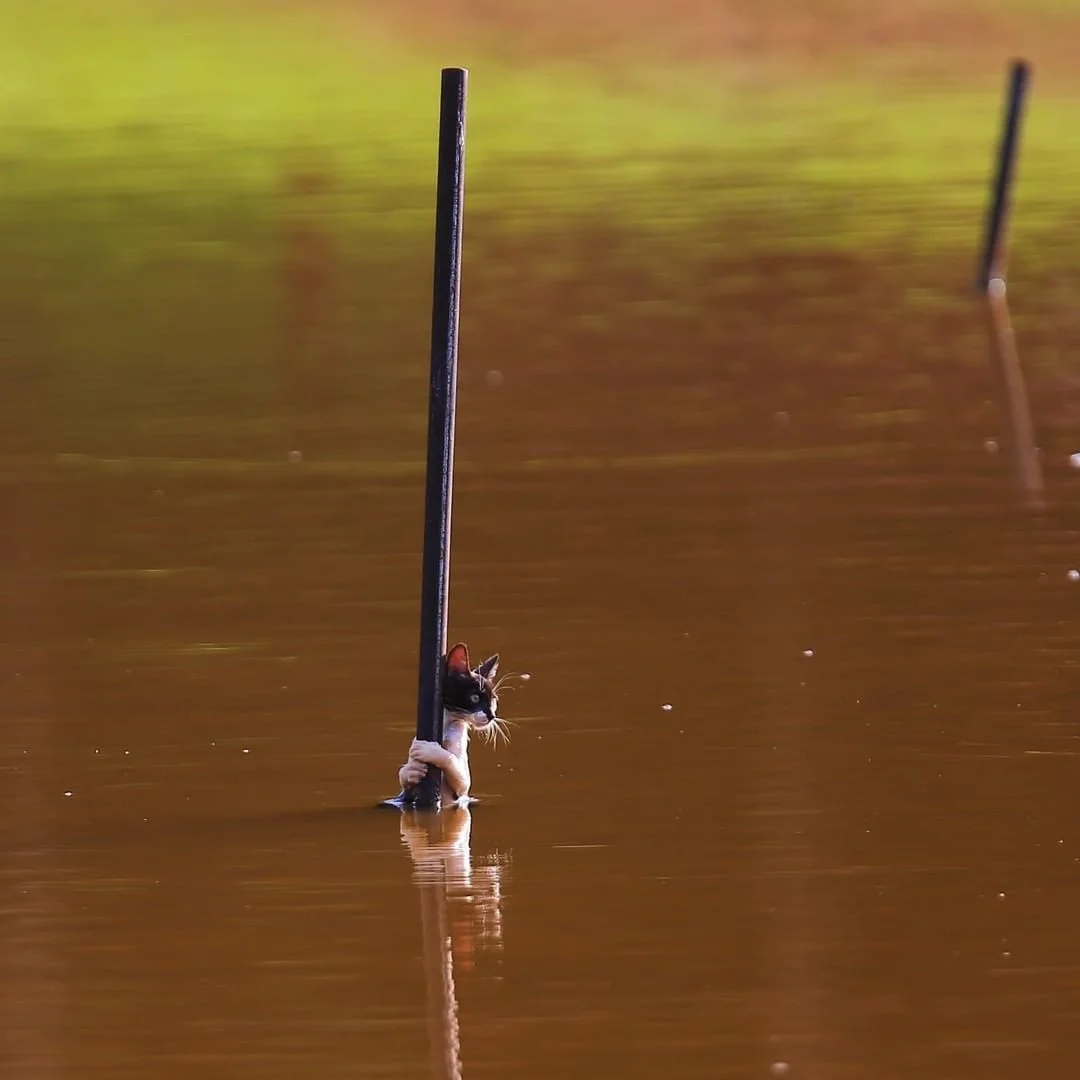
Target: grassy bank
{"type": "Point", "coordinates": [614, 219]}
{"type": "Point", "coordinates": [194, 109]}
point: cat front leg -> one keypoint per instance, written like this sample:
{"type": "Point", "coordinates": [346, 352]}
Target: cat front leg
{"type": "Point", "coordinates": [454, 769]}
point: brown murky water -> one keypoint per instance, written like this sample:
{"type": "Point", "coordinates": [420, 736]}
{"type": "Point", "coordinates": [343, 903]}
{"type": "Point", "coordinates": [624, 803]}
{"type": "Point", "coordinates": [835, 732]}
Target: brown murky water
{"type": "Point", "coordinates": [847, 849]}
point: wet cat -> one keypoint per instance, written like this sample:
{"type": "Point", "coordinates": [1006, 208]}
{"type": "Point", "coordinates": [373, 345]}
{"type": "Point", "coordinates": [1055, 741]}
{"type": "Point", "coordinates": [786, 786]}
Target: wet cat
{"type": "Point", "coordinates": [470, 700]}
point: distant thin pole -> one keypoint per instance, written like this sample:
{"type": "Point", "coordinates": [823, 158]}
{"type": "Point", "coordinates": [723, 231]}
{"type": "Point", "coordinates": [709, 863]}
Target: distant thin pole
{"type": "Point", "coordinates": [994, 252]}
{"type": "Point", "coordinates": [991, 283]}
{"type": "Point", "coordinates": [439, 493]}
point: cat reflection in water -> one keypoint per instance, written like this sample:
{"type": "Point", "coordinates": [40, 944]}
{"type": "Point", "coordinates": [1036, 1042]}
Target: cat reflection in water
{"type": "Point", "coordinates": [440, 849]}
{"type": "Point", "coordinates": [470, 700]}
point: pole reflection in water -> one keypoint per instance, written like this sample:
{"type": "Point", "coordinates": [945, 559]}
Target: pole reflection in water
{"type": "Point", "coordinates": [461, 911]}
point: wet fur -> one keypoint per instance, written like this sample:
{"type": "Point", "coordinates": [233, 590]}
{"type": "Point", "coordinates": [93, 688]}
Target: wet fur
{"type": "Point", "coordinates": [470, 701]}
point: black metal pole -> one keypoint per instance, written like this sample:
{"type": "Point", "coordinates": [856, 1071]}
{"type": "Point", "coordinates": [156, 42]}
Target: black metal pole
{"type": "Point", "coordinates": [438, 497]}
{"type": "Point", "coordinates": [1027, 468]}
{"type": "Point", "coordinates": [991, 263]}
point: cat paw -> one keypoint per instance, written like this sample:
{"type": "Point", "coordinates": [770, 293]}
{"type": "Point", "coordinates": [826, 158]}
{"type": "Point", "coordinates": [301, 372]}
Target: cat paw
{"type": "Point", "coordinates": [429, 752]}
{"type": "Point", "coordinates": [411, 773]}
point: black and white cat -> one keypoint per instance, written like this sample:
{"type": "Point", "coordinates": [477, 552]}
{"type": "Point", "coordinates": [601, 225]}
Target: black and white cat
{"type": "Point", "coordinates": [470, 701]}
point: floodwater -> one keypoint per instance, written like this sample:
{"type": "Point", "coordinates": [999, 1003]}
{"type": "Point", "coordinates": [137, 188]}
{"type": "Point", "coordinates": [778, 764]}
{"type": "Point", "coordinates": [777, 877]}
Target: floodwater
{"type": "Point", "coordinates": [791, 790]}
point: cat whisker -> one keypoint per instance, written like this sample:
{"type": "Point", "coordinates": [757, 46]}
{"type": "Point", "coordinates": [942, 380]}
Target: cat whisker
{"type": "Point", "coordinates": [494, 729]}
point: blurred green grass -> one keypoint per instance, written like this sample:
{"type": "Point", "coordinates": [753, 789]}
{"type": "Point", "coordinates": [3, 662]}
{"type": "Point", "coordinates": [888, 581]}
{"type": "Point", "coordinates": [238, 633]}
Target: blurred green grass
{"type": "Point", "coordinates": [147, 151]}
{"type": "Point", "coordinates": [153, 101]}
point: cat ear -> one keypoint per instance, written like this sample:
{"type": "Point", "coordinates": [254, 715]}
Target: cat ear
{"type": "Point", "coordinates": [457, 660]}
{"type": "Point", "coordinates": [488, 668]}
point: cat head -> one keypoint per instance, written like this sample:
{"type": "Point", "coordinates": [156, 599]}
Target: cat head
{"type": "Point", "coordinates": [469, 692]}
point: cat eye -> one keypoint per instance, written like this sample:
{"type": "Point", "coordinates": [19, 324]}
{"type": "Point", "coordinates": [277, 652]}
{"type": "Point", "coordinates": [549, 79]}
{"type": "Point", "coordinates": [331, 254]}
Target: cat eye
{"type": "Point", "coordinates": [474, 699]}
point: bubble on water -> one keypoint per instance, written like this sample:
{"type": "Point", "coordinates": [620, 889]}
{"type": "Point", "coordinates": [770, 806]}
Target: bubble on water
{"type": "Point", "coordinates": [295, 457]}
{"type": "Point", "coordinates": [667, 706]}
{"type": "Point", "coordinates": [526, 677]}
{"type": "Point", "coordinates": [494, 378]}
{"type": "Point", "coordinates": [779, 1068]}
{"type": "Point", "coordinates": [68, 794]}
{"type": "Point", "coordinates": [1074, 460]}
{"type": "Point", "coordinates": [1073, 575]}
{"type": "Point", "coordinates": [990, 446]}
{"type": "Point", "coordinates": [808, 653]}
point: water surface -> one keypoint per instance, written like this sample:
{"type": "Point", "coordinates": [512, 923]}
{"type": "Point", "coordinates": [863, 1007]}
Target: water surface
{"type": "Point", "coordinates": [847, 847]}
